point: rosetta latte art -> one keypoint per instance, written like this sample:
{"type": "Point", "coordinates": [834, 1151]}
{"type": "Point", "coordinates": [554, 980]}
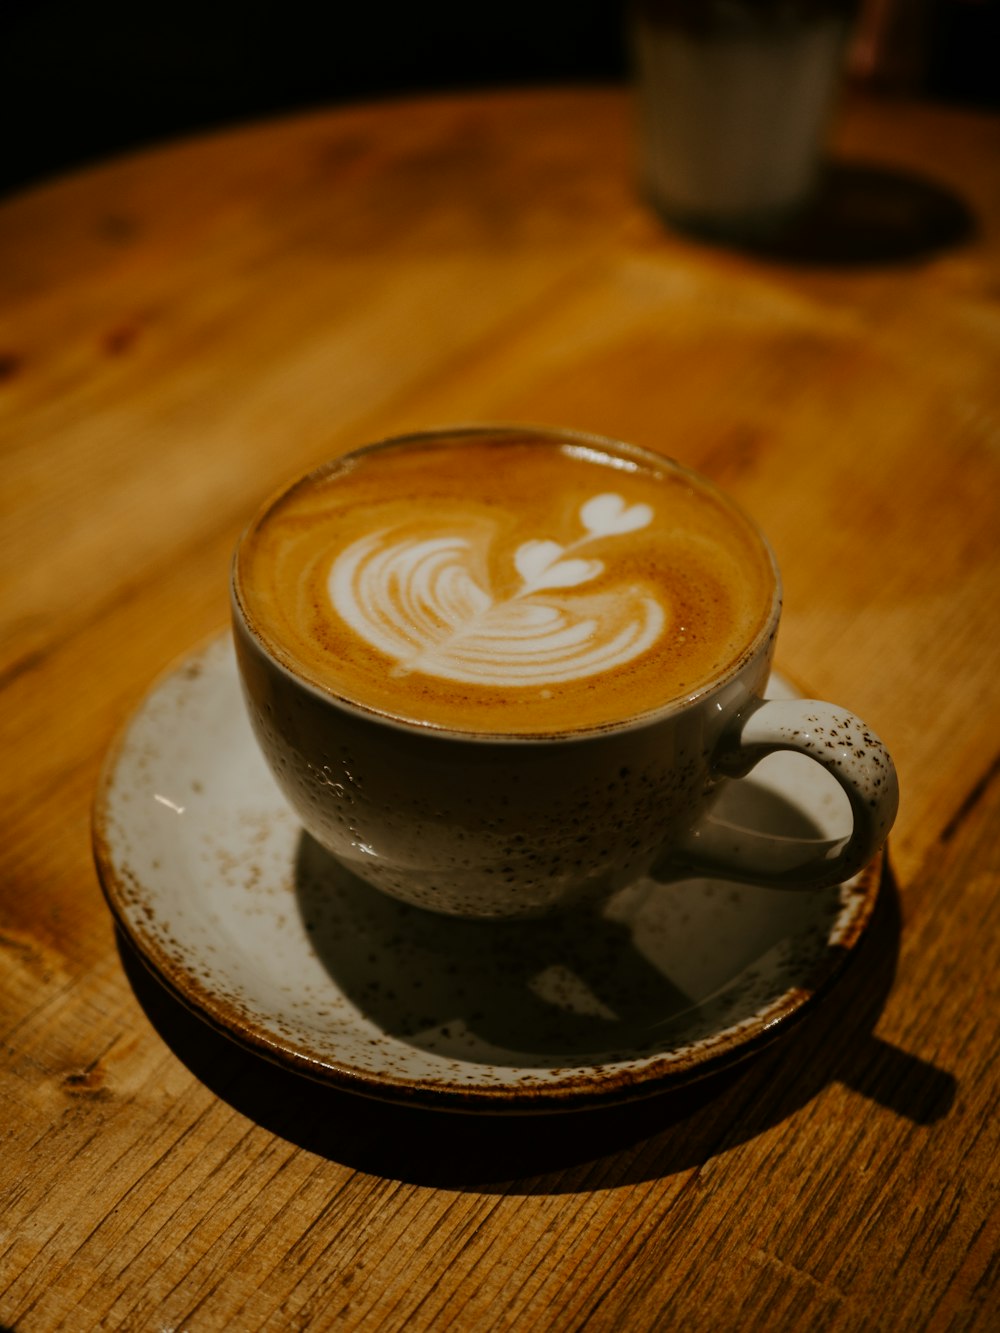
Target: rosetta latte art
{"type": "Point", "coordinates": [418, 600]}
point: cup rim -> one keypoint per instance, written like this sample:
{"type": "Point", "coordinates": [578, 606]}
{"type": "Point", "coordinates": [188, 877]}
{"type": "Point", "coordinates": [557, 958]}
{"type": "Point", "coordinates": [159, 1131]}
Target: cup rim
{"type": "Point", "coordinates": [456, 433]}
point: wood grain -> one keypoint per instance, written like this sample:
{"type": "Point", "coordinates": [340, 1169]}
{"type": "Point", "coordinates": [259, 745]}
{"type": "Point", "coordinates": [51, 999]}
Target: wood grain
{"type": "Point", "coordinates": [180, 331]}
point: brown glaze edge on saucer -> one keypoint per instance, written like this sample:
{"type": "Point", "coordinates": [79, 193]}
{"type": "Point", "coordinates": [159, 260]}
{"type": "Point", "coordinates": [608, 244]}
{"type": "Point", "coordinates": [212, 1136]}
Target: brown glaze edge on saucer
{"type": "Point", "coordinates": [599, 1085]}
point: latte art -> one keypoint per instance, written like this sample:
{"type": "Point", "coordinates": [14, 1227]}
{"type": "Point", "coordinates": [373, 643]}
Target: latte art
{"type": "Point", "coordinates": [418, 600]}
{"type": "Point", "coordinates": [504, 581]}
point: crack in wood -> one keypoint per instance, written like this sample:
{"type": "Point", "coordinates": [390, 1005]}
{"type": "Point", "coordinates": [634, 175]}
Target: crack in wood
{"type": "Point", "coordinates": [972, 798]}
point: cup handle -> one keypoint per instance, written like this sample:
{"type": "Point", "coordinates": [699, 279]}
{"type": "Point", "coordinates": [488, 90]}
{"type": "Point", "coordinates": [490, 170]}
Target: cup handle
{"type": "Point", "coordinates": [846, 748]}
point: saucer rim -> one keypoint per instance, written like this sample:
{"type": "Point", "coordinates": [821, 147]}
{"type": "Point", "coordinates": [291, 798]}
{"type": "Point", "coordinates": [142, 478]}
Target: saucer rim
{"type": "Point", "coordinates": [625, 1081]}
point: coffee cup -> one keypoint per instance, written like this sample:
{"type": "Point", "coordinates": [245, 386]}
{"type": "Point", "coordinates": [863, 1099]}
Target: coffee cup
{"type": "Point", "coordinates": [498, 671]}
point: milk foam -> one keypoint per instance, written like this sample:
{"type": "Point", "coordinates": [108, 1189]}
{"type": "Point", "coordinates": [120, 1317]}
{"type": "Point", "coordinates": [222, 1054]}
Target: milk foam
{"type": "Point", "coordinates": [424, 602]}
{"type": "Point", "coordinates": [504, 582]}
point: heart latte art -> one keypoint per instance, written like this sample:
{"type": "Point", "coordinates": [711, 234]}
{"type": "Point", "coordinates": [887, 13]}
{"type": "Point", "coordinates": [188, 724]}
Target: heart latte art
{"type": "Point", "coordinates": [418, 600]}
{"type": "Point", "coordinates": [504, 581]}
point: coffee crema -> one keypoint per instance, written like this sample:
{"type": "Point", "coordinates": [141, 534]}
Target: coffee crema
{"type": "Point", "coordinates": [505, 581]}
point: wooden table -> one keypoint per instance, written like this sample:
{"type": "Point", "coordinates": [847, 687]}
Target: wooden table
{"type": "Point", "coordinates": [183, 329]}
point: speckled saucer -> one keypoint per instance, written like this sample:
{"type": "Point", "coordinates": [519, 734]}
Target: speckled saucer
{"type": "Point", "coordinates": [258, 930]}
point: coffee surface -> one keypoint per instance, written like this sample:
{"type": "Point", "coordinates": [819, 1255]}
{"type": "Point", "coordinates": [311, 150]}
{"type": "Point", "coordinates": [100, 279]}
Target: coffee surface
{"type": "Point", "coordinates": [505, 582]}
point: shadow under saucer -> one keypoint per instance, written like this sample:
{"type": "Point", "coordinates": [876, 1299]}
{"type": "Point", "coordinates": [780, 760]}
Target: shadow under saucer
{"type": "Point", "coordinates": [228, 914]}
{"type": "Point", "coordinates": [600, 1147]}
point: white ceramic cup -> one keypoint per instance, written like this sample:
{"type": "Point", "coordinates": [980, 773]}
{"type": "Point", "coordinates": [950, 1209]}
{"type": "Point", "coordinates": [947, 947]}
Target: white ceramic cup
{"type": "Point", "coordinates": [495, 826]}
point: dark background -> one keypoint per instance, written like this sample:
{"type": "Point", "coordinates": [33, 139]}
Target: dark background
{"type": "Point", "coordinates": [82, 79]}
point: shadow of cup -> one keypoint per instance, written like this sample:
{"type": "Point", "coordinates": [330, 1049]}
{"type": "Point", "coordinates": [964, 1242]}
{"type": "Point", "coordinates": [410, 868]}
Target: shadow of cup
{"type": "Point", "coordinates": [663, 966]}
{"type": "Point", "coordinates": [490, 997]}
{"type": "Point", "coordinates": [863, 214]}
